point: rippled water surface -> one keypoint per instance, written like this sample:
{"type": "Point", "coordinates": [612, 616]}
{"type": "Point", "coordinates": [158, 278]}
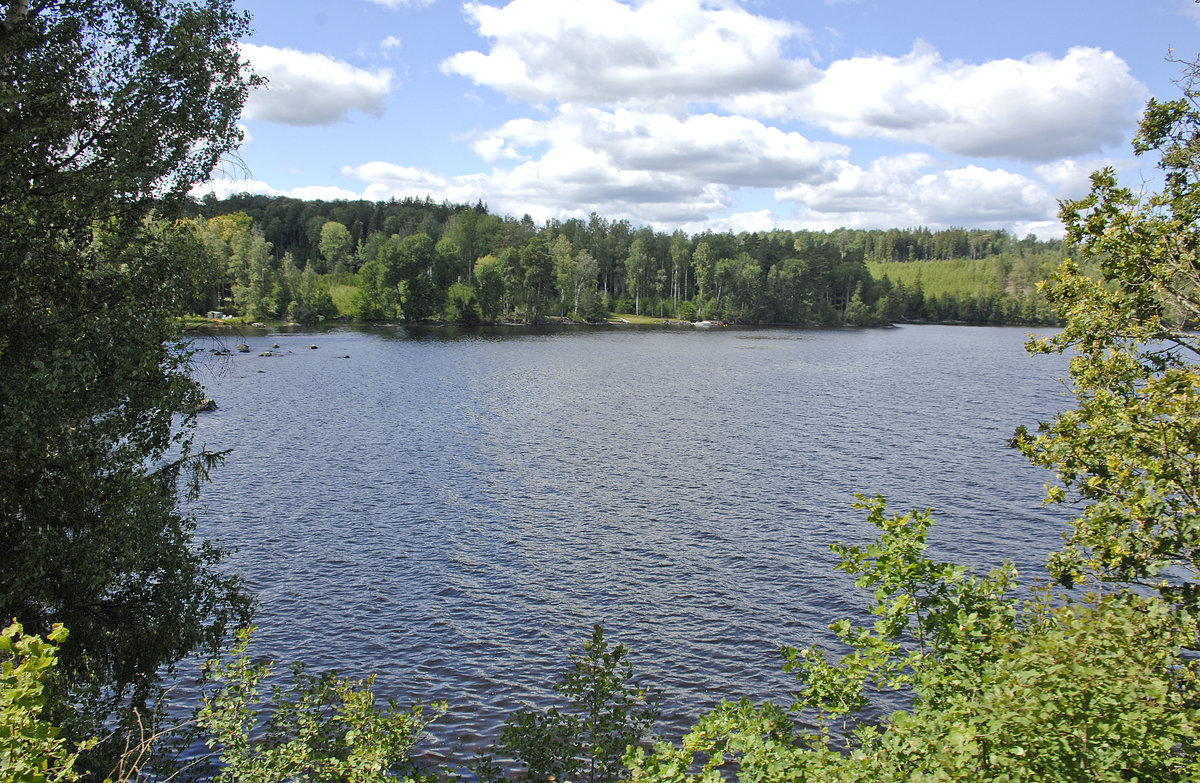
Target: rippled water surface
{"type": "Point", "coordinates": [455, 511]}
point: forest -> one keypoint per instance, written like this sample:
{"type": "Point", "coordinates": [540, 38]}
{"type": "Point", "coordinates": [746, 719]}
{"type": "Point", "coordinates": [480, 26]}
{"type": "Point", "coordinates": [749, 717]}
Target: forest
{"type": "Point", "coordinates": [278, 258]}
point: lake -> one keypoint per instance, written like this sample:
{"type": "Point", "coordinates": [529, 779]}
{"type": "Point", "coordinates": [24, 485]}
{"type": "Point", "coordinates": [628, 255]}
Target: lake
{"type": "Point", "coordinates": [453, 511]}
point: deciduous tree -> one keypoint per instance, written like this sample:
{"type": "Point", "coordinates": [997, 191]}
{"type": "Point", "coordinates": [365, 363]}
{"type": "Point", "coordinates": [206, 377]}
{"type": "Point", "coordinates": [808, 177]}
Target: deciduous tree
{"type": "Point", "coordinates": [1129, 449]}
{"type": "Point", "coordinates": [109, 111]}
{"type": "Point", "coordinates": [336, 244]}
{"type": "Point", "coordinates": [605, 712]}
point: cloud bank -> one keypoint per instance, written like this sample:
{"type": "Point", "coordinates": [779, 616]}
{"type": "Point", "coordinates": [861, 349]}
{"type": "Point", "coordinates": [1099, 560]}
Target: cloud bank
{"type": "Point", "coordinates": [312, 89]}
{"type": "Point", "coordinates": [605, 52]}
{"type": "Point", "coordinates": [673, 112]}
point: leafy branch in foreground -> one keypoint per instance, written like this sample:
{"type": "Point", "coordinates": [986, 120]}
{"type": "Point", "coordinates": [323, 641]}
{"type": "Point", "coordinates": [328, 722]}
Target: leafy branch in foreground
{"type": "Point", "coordinates": [31, 748]}
{"type": "Point", "coordinates": [1128, 450]}
{"type": "Point", "coordinates": [1001, 690]}
{"type": "Point", "coordinates": [584, 739]}
{"type": "Point", "coordinates": [321, 728]}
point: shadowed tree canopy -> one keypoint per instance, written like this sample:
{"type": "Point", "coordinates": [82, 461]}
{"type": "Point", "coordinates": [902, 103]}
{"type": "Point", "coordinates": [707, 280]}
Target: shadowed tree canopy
{"type": "Point", "coordinates": [110, 111]}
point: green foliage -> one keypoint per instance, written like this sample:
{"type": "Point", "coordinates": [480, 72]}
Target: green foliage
{"type": "Point", "coordinates": [489, 273]}
{"type": "Point", "coordinates": [1008, 272]}
{"type": "Point", "coordinates": [579, 269]}
{"type": "Point", "coordinates": [936, 609]}
{"type": "Point", "coordinates": [1128, 450]}
{"type": "Point", "coordinates": [1001, 690]}
{"type": "Point", "coordinates": [637, 266]}
{"type": "Point", "coordinates": [254, 276]}
{"type": "Point", "coordinates": [990, 289]}
{"type": "Point", "coordinates": [857, 311]}
{"type": "Point", "coordinates": [336, 243]}
{"type": "Point", "coordinates": [605, 712]}
{"type": "Point", "coordinates": [463, 308]}
{"type": "Point", "coordinates": [112, 112]}
{"type": "Point", "coordinates": [374, 299]}
{"type": "Point", "coordinates": [414, 260]}
{"type": "Point", "coordinates": [31, 748]}
{"type": "Point", "coordinates": [320, 728]}
{"type": "Point", "coordinates": [311, 300]}
{"type": "Point", "coordinates": [537, 271]}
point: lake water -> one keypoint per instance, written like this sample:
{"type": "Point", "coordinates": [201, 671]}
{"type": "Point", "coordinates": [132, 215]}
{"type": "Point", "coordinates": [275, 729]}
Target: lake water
{"type": "Point", "coordinates": [454, 511]}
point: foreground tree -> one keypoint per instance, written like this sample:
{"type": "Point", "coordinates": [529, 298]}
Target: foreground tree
{"type": "Point", "coordinates": [1128, 451]}
{"type": "Point", "coordinates": [323, 729]}
{"type": "Point", "coordinates": [110, 111]}
{"type": "Point", "coordinates": [1002, 690]}
{"type": "Point", "coordinates": [604, 712]}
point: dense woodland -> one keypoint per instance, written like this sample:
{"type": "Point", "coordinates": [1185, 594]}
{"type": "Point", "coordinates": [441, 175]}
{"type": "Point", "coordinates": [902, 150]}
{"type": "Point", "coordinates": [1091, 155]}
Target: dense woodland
{"type": "Point", "coordinates": [417, 260]}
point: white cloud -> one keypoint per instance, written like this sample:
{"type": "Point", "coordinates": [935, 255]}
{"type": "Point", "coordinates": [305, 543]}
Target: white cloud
{"type": "Point", "coordinates": [903, 191]}
{"type": "Point", "coordinates": [655, 169]}
{"type": "Point", "coordinates": [761, 220]}
{"type": "Point", "coordinates": [312, 89]}
{"type": "Point", "coordinates": [560, 185]}
{"type": "Point", "coordinates": [565, 182]}
{"type": "Point", "coordinates": [225, 187]}
{"type": "Point", "coordinates": [1042, 229]}
{"type": "Point", "coordinates": [391, 42]}
{"type": "Point", "coordinates": [1073, 177]}
{"type": "Point", "coordinates": [648, 167]}
{"type": "Point", "coordinates": [612, 53]}
{"type": "Point", "coordinates": [320, 192]}
{"type": "Point", "coordinates": [1191, 9]}
{"type": "Point", "coordinates": [669, 54]}
{"type": "Point", "coordinates": [627, 127]}
{"type": "Point", "coordinates": [1038, 108]}
{"type": "Point", "coordinates": [705, 148]}
{"type": "Point", "coordinates": [732, 151]}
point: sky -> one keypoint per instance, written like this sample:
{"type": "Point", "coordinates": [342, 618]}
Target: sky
{"type": "Point", "coordinates": [742, 115]}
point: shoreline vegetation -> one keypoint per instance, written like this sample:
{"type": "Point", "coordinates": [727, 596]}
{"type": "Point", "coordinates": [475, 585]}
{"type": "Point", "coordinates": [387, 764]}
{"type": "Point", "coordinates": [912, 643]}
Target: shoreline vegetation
{"type": "Point", "coordinates": [198, 325]}
{"type": "Point", "coordinates": [278, 259]}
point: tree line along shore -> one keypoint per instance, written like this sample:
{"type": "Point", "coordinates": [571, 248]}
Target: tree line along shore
{"type": "Point", "coordinates": [278, 258]}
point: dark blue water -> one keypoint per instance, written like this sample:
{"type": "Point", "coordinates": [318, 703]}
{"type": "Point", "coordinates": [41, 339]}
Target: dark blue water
{"type": "Point", "coordinates": [453, 512]}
